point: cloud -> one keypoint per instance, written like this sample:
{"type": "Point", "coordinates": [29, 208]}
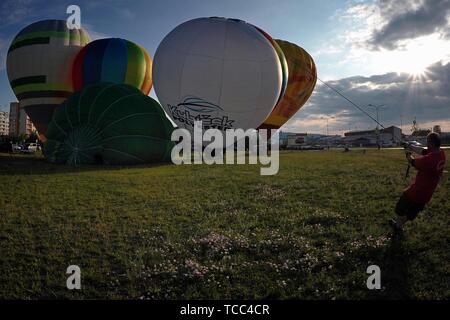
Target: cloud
{"type": "Point", "coordinates": [95, 35]}
{"type": "Point", "coordinates": [371, 40]}
{"type": "Point", "coordinates": [405, 97]}
{"type": "Point", "coordinates": [400, 20]}
{"type": "Point", "coordinates": [126, 13]}
{"type": "Point", "coordinates": [13, 15]}
{"type": "Point", "coordinates": [14, 11]}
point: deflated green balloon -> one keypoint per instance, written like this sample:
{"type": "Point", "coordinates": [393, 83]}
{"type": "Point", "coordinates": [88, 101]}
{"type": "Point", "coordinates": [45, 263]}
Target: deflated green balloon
{"type": "Point", "coordinates": [110, 124]}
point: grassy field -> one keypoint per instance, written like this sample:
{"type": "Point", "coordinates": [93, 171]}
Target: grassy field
{"type": "Point", "coordinates": [209, 232]}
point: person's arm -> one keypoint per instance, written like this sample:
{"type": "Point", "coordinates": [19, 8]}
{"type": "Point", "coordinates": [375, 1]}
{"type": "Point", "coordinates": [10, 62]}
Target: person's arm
{"type": "Point", "coordinates": [416, 149]}
{"type": "Point", "coordinates": [420, 163]}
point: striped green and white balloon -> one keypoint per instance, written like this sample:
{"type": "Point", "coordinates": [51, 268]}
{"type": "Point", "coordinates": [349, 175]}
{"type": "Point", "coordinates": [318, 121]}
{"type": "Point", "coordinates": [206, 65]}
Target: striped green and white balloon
{"type": "Point", "coordinates": [39, 66]}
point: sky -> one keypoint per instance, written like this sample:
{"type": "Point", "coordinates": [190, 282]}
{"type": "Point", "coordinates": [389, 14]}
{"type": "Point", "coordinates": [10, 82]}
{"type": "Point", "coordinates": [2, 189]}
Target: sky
{"type": "Point", "coordinates": [394, 53]}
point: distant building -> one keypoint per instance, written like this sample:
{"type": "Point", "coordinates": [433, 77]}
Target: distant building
{"type": "Point", "coordinates": [296, 139]}
{"type": "Point", "coordinates": [420, 135]}
{"type": "Point", "coordinates": [14, 116]}
{"type": "Point", "coordinates": [421, 132]}
{"type": "Point", "coordinates": [19, 122]}
{"type": "Point", "coordinates": [4, 123]}
{"type": "Point", "coordinates": [283, 138]}
{"type": "Point", "coordinates": [291, 140]}
{"type": "Point", "coordinates": [445, 138]}
{"type": "Point", "coordinates": [388, 136]}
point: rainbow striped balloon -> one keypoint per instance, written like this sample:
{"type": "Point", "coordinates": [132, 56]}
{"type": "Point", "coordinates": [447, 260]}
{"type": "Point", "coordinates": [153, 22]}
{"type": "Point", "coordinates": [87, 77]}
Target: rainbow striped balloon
{"type": "Point", "coordinates": [113, 60]}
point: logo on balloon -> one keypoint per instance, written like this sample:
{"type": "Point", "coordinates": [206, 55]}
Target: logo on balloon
{"type": "Point", "coordinates": [195, 109]}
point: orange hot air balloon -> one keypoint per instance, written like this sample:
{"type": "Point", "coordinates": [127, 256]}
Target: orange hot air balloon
{"type": "Point", "coordinates": [301, 82]}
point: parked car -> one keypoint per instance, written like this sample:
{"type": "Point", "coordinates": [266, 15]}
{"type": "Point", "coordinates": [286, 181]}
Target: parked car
{"type": "Point", "coordinates": [6, 147]}
{"type": "Point", "coordinates": [33, 147]}
{"type": "Point", "coordinates": [29, 148]}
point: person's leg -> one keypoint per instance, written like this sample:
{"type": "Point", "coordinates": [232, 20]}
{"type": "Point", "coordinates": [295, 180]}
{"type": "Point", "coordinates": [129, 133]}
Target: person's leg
{"type": "Point", "coordinates": [414, 210]}
{"type": "Point", "coordinates": [401, 210]}
{"type": "Point", "coordinates": [406, 210]}
{"type": "Point", "coordinates": [400, 221]}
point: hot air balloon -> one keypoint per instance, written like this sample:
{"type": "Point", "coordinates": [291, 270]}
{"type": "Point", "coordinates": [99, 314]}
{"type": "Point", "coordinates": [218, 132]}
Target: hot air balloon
{"type": "Point", "coordinates": [224, 72]}
{"type": "Point", "coordinates": [39, 66]}
{"type": "Point", "coordinates": [109, 124]}
{"type": "Point", "coordinates": [283, 62]}
{"type": "Point", "coordinates": [113, 60]}
{"type": "Point", "coordinates": [301, 82]}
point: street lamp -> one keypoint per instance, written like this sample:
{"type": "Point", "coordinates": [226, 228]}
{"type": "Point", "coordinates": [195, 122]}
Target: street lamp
{"type": "Point", "coordinates": [327, 118]}
{"type": "Point", "coordinates": [401, 122]}
{"type": "Point", "coordinates": [377, 108]}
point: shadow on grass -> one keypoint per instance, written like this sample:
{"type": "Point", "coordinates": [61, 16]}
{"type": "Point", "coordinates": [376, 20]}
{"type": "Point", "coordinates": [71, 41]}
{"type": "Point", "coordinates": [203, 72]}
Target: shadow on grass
{"type": "Point", "coordinates": [395, 275]}
{"type": "Point", "coordinates": [16, 164]}
{"type": "Point", "coordinates": [394, 261]}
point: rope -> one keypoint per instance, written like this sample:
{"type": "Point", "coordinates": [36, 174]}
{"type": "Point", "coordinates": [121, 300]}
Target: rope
{"type": "Point", "coordinates": [354, 104]}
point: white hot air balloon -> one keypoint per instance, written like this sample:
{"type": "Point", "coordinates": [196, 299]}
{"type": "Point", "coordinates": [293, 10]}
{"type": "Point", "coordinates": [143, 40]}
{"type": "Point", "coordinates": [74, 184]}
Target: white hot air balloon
{"type": "Point", "coordinates": [225, 72]}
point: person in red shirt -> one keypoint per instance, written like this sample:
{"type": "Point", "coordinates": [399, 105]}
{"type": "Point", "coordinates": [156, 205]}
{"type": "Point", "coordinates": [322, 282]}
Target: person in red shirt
{"type": "Point", "coordinates": [430, 167]}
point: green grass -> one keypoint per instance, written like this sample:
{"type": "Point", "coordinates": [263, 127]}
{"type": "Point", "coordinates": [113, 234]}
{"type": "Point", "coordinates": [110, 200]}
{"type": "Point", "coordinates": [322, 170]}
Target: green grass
{"type": "Point", "coordinates": [210, 232]}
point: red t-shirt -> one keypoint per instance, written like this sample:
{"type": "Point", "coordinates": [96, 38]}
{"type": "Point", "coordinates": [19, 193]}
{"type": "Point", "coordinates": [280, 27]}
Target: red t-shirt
{"type": "Point", "coordinates": [429, 171]}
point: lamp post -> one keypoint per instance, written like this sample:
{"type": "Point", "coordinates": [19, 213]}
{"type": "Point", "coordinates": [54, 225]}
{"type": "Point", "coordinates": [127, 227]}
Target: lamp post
{"type": "Point", "coordinates": [377, 108]}
{"type": "Point", "coordinates": [327, 118]}
{"type": "Point", "coordinates": [401, 121]}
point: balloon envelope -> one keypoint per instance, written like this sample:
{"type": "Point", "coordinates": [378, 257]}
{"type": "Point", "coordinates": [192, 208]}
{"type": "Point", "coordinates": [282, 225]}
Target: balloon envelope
{"type": "Point", "coordinates": [283, 63]}
{"type": "Point", "coordinates": [113, 60]}
{"type": "Point", "coordinates": [301, 81]}
{"type": "Point", "coordinates": [224, 72]}
{"type": "Point", "coordinates": [110, 124]}
{"type": "Point", "coordinates": [39, 66]}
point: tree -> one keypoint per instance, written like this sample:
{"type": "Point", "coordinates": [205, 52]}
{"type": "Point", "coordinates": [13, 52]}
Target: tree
{"type": "Point", "coordinates": [23, 137]}
{"type": "Point", "coordinates": [32, 137]}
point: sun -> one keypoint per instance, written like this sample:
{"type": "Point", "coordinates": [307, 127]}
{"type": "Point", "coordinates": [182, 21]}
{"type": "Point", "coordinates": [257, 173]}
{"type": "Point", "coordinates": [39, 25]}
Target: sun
{"type": "Point", "coordinates": [413, 61]}
{"type": "Point", "coordinates": [417, 71]}
{"type": "Point", "coordinates": [415, 56]}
